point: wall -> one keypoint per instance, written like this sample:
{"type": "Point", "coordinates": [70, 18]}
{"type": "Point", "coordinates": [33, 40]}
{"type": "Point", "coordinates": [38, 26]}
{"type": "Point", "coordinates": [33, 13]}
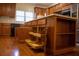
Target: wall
{"type": "Point", "coordinates": [25, 7]}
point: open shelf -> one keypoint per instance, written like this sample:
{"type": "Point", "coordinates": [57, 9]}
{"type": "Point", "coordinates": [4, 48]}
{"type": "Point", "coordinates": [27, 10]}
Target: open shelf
{"type": "Point", "coordinates": [64, 41]}
{"type": "Point", "coordinates": [65, 26]}
{"type": "Point", "coordinates": [65, 34]}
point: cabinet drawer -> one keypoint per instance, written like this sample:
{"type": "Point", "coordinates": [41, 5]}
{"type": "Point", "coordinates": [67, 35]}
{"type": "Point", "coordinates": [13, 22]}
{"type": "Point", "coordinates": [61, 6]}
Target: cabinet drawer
{"type": "Point", "coordinates": [41, 21]}
{"type": "Point", "coordinates": [34, 22]}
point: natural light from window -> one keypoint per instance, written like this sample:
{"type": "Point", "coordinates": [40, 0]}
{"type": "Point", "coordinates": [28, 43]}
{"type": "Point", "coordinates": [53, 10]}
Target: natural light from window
{"type": "Point", "coordinates": [24, 16]}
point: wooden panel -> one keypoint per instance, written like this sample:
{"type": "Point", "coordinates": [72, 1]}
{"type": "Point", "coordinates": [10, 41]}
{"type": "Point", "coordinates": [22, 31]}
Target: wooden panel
{"type": "Point", "coordinates": [48, 11]}
{"type": "Point", "coordinates": [51, 21]}
{"type": "Point", "coordinates": [6, 29]}
{"type": "Point", "coordinates": [0, 29]}
{"type": "Point", "coordinates": [41, 21]}
{"type": "Point", "coordinates": [65, 4]}
{"type": "Point", "coordinates": [39, 11]}
{"type": "Point", "coordinates": [58, 7]}
{"type": "Point", "coordinates": [13, 10]}
{"type": "Point", "coordinates": [52, 10]}
{"type": "Point", "coordinates": [22, 33]}
{"type": "Point", "coordinates": [66, 7]}
{"type": "Point", "coordinates": [34, 22]}
{"type": "Point", "coordinates": [7, 9]}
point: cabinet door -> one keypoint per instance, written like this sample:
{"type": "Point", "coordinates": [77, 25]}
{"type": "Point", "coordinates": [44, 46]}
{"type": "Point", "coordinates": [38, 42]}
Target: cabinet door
{"type": "Point", "coordinates": [39, 11]}
{"type": "Point", "coordinates": [12, 10]}
{"type": "Point", "coordinates": [48, 11]}
{"type": "Point", "coordinates": [6, 29]}
{"type": "Point", "coordinates": [7, 9]}
{"type": "Point", "coordinates": [52, 10]}
{"type": "Point", "coordinates": [2, 9]}
{"type": "Point", "coordinates": [58, 7]}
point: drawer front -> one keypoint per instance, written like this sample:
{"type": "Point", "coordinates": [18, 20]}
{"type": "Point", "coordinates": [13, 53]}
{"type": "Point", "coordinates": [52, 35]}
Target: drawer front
{"type": "Point", "coordinates": [34, 22]}
{"type": "Point", "coordinates": [41, 21]}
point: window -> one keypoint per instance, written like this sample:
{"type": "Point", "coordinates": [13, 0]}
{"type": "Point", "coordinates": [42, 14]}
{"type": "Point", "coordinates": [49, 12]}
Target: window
{"type": "Point", "coordinates": [19, 15]}
{"type": "Point", "coordinates": [29, 16]}
{"type": "Point", "coordinates": [24, 16]}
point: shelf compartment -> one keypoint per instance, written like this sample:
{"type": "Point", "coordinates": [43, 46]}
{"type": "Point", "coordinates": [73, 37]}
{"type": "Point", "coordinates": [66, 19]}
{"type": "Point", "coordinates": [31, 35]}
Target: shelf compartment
{"type": "Point", "coordinates": [33, 44]}
{"type": "Point", "coordinates": [65, 26]}
{"type": "Point", "coordinates": [35, 34]}
{"type": "Point", "coordinates": [65, 33]}
{"type": "Point", "coordinates": [64, 41]}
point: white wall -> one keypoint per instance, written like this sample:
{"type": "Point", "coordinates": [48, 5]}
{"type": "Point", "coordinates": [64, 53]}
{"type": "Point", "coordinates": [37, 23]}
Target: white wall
{"type": "Point", "coordinates": [25, 7]}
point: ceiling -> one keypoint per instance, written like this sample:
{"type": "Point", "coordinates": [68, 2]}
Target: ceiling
{"type": "Point", "coordinates": [45, 5]}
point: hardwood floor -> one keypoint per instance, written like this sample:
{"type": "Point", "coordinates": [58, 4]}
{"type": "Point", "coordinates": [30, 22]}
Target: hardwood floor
{"type": "Point", "coordinates": [10, 47]}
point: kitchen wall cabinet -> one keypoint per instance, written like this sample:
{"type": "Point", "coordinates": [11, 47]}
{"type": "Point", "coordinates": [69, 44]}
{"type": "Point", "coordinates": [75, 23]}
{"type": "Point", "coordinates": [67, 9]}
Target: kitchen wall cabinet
{"type": "Point", "coordinates": [58, 7]}
{"type": "Point", "coordinates": [39, 11]}
{"type": "Point", "coordinates": [47, 11]}
{"type": "Point", "coordinates": [7, 9]}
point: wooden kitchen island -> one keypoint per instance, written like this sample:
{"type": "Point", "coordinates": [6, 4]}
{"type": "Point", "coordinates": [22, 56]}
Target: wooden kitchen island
{"type": "Point", "coordinates": [55, 33]}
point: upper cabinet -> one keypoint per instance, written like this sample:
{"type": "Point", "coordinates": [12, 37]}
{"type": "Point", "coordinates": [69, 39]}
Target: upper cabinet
{"type": "Point", "coordinates": [58, 7]}
{"type": "Point", "coordinates": [39, 12]}
{"type": "Point", "coordinates": [7, 9]}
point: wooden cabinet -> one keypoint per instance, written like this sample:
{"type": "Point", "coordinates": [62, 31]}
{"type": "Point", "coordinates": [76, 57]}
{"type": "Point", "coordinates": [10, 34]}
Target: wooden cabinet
{"type": "Point", "coordinates": [41, 21]}
{"type": "Point", "coordinates": [48, 11]}
{"type": "Point", "coordinates": [55, 31]}
{"type": "Point", "coordinates": [22, 33]}
{"type": "Point", "coordinates": [61, 35]}
{"type": "Point", "coordinates": [5, 29]}
{"type": "Point", "coordinates": [7, 9]}
{"type": "Point", "coordinates": [34, 22]}
{"type": "Point", "coordinates": [52, 10]}
{"type": "Point", "coordinates": [28, 23]}
{"type": "Point", "coordinates": [39, 11]}
{"type": "Point", "coordinates": [58, 7]}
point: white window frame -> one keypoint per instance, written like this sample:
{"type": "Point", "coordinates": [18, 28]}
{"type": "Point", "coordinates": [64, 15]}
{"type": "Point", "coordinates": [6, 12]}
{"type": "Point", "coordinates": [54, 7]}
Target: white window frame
{"type": "Point", "coordinates": [25, 16]}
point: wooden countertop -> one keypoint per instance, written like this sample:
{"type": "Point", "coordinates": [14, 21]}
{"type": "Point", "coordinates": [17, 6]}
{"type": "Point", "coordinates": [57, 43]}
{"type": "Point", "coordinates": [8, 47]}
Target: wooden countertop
{"type": "Point", "coordinates": [58, 15]}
